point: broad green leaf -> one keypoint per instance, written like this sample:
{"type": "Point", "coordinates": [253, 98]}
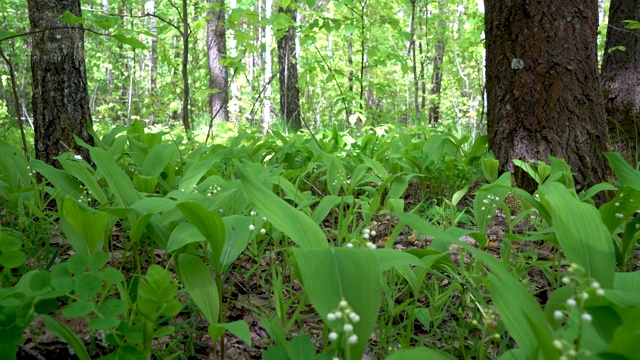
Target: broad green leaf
{"type": "Point", "coordinates": [478, 149]}
{"type": "Point", "coordinates": [157, 294]}
{"type": "Point", "coordinates": [113, 307]}
{"type": "Point", "coordinates": [544, 338]}
{"type": "Point", "coordinates": [390, 258]}
{"type": "Point", "coordinates": [419, 353]}
{"type": "Point", "coordinates": [87, 285]}
{"type": "Point", "coordinates": [490, 167]}
{"type": "Point", "coordinates": [629, 238]}
{"type": "Point", "coordinates": [238, 328]}
{"type": "Point", "coordinates": [436, 146]}
{"type": "Point", "coordinates": [424, 316]}
{"type": "Point", "coordinates": [336, 175]}
{"type": "Point", "coordinates": [625, 339]}
{"type": "Point", "coordinates": [133, 42]}
{"type": "Point", "coordinates": [520, 312]}
{"type": "Point", "coordinates": [139, 226]}
{"type": "Point", "coordinates": [12, 258]}
{"type": "Point", "coordinates": [154, 204]}
{"type": "Point", "coordinates": [81, 173]}
{"type": "Point", "coordinates": [442, 239]}
{"type": "Point", "coordinates": [396, 206]}
{"type": "Point", "coordinates": [104, 323]}
{"type": "Point", "coordinates": [487, 200]}
{"type": "Point", "coordinates": [376, 167]}
{"type": "Point", "coordinates": [198, 281]}
{"type": "Point", "coordinates": [632, 24]}
{"type": "Point", "coordinates": [627, 281]}
{"type": "Point", "coordinates": [89, 225]}
{"type": "Point", "coordinates": [458, 195]}
{"type": "Point", "coordinates": [277, 352]}
{"type": "Point", "coordinates": [238, 236]}
{"type": "Point", "coordinates": [158, 158]}
{"type": "Point", "coordinates": [332, 275]}
{"type": "Point", "coordinates": [592, 191]}
{"type": "Point", "coordinates": [63, 332]}
{"type": "Point", "coordinates": [78, 309]}
{"type": "Point", "coordinates": [325, 206]}
{"type": "Point", "coordinates": [210, 225]}
{"type": "Point", "coordinates": [302, 230]}
{"type": "Point", "coordinates": [529, 170]}
{"type": "Point", "coordinates": [183, 234]}
{"type": "Point", "coordinates": [196, 171]}
{"type": "Point", "coordinates": [628, 175]}
{"type": "Point", "coordinates": [293, 193]}
{"type": "Point", "coordinates": [618, 211]}
{"type": "Point", "coordinates": [605, 320]}
{"type": "Point", "coordinates": [130, 352]}
{"type": "Point", "coordinates": [561, 172]}
{"type": "Point", "coordinates": [557, 301]}
{"type": "Point", "coordinates": [398, 187]}
{"type": "Point", "coordinates": [61, 180]}
{"type": "Point", "coordinates": [71, 19]}
{"type": "Point", "coordinates": [585, 240]}
{"type": "Point", "coordinates": [104, 22]}
{"type": "Point", "coordinates": [45, 305]}
{"type": "Point", "coordinates": [118, 181]}
{"type": "Point", "coordinates": [300, 348]}
{"type": "Point", "coordinates": [145, 184]}
{"type": "Point", "coordinates": [112, 276]}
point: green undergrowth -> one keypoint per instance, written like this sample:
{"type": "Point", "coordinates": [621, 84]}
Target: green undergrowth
{"type": "Point", "coordinates": [158, 241]}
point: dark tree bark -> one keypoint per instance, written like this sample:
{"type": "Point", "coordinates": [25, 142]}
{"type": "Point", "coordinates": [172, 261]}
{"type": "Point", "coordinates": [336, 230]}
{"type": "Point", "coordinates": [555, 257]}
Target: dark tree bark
{"type": "Point", "coordinates": [60, 97]}
{"type": "Point", "coordinates": [621, 78]}
{"type": "Point", "coordinates": [543, 88]}
{"type": "Point", "coordinates": [288, 74]}
{"type": "Point", "coordinates": [218, 72]}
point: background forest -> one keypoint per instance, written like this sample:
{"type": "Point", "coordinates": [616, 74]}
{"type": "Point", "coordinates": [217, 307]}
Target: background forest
{"type": "Point", "coordinates": [355, 62]}
{"type": "Point", "coordinates": [319, 180]}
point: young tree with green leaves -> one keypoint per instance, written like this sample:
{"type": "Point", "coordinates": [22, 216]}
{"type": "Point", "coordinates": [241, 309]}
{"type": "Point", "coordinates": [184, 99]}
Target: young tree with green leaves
{"type": "Point", "coordinates": [60, 98]}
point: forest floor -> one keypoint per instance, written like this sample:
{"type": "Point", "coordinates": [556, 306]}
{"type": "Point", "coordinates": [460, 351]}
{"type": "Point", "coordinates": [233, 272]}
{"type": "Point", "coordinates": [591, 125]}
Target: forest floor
{"type": "Point", "coordinates": [248, 293]}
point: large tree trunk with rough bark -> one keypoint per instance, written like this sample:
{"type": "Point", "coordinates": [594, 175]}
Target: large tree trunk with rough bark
{"type": "Point", "coordinates": [60, 97]}
{"type": "Point", "coordinates": [288, 74]}
{"type": "Point", "coordinates": [621, 78]}
{"type": "Point", "coordinates": [543, 88]}
{"type": "Point", "coordinates": [217, 49]}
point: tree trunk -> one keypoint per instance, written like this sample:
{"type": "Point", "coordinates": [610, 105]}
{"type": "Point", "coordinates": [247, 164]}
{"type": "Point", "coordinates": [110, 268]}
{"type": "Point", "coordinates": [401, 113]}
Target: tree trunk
{"type": "Point", "coordinates": [60, 96]}
{"type": "Point", "coordinates": [268, 41]}
{"type": "Point", "coordinates": [350, 81]}
{"type": "Point", "coordinates": [436, 83]}
{"type": "Point", "coordinates": [109, 73]}
{"type": "Point", "coordinates": [288, 76]}
{"type": "Point", "coordinates": [543, 87]}
{"type": "Point", "coordinates": [414, 62]}
{"type": "Point", "coordinates": [153, 58]}
{"type": "Point", "coordinates": [233, 106]}
{"type": "Point", "coordinates": [621, 78]}
{"type": "Point", "coordinates": [185, 74]}
{"type": "Point", "coordinates": [218, 73]}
